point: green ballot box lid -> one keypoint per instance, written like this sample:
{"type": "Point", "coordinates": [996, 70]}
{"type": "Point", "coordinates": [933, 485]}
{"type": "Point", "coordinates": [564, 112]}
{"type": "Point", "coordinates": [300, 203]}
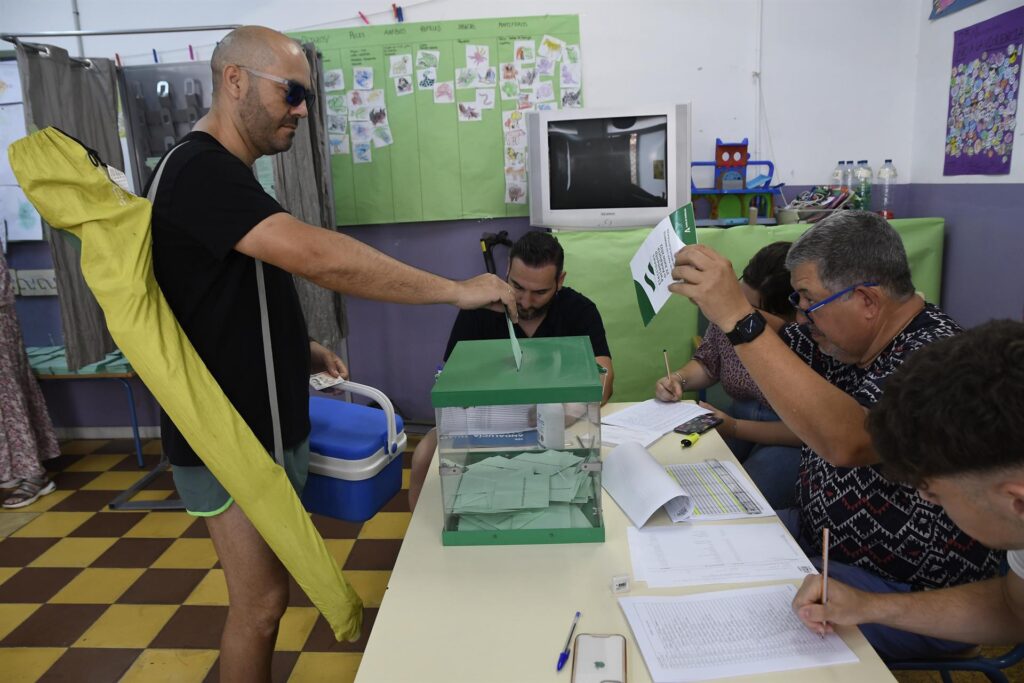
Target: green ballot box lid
{"type": "Point", "coordinates": [483, 372]}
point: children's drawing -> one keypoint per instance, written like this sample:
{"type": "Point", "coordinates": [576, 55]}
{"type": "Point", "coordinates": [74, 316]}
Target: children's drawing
{"type": "Point", "coordinates": [551, 47]}
{"type": "Point", "coordinates": [378, 116]}
{"type": "Point", "coordinates": [337, 103]}
{"type": "Point", "coordinates": [513, 120]}
{"type": "Point", "coordinates": [426, 78]}
{"type": "Point", "coordinates": [337, 123]}
{"type": "Point", "coordinates": [570, 76]}
{"type": "Point", "coordinates": [544, 92]}
{"type": "Point", "coordinates": [572, 54]}
{"type": "Point", "coordinates": [572, 99]}
{"type": "Point", "coordinates": [355, 98]}
{"type": "Point", "coordinates": [524, 51]}
{"type": "Point", "coordinates": [338, 144]}
{"type": "Point", "coordinates": [477, 55]}
{"type": "Point", "coordinates": [515, 157]}
{"type": "Point", "coordinates": [515, 193]}
{"type": "Point", "coordinates": [400, 65]}
{"type": "Point", "coordinates": [545, 66]}
{"type": "Point", "coordinates": [468, 111]}
{"type": "Point", "coordinates": [547, 106]}
{"type": "Point", "coordinates": [509, 71]}
{"type": "Point", "coordinates": [362, 77]}
{"type": "Point", "coordinates": [359, 113]}
{"type": "Point", "coordinates": [525, 101]}
{"type": "Point", "coordinates": [428, 59]}
{"type": "Point", "coordinates": [515, 138]}
{"type": "Point", "coordinates": [486, 77]}
{"type": "Point", "coordinates": [375, 97]}
{"type": "Point", "coordinates": [527, 76]}
{"type": "Point", "coordinates": [382, 136]}
{"type": "Point", "coordinates": [515, 174]}
{"type": "Point", "coordinates": [509, 90]}
{"type": "Point", "coordinates": [403, 86]}
{"type": "Point", "coordinates": [485, 98]}
{"type": "Point", "coordinates": [465, 78]}
{"type": "Point", "coordinates": [334, 79]}
{"type": "Point", "coordinates": [444, 92]}
{"type": "Point", "coordinates": [362, 153]}
{"type": "Point", "coordinates": [362, 131]}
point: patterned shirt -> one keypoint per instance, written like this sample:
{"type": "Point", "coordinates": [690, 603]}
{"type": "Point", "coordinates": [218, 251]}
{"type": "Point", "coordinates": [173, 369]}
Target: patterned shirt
{"type": "Point", "coordinates": [719, 359]}
{"type": "Point", "coordinates": [878, 525]}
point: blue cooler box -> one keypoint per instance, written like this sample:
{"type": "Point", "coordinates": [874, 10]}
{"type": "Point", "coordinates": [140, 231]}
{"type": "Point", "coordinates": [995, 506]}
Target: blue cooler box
{"type": "Point", "coordinates": [355, 463]}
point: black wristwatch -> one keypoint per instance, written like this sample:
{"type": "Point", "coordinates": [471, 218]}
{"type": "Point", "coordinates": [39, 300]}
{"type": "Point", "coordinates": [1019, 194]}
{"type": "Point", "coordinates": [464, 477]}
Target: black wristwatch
{"type": "Point", "coordinates": [747, 329]}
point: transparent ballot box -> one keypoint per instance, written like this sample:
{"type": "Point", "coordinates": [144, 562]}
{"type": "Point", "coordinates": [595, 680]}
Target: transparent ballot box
{"type": "Point", "coordinates": [520, 449]}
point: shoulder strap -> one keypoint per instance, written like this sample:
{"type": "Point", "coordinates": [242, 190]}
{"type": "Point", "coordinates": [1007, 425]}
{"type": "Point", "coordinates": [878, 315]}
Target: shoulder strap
{"type": "Point", "coordinates": [268, 361]}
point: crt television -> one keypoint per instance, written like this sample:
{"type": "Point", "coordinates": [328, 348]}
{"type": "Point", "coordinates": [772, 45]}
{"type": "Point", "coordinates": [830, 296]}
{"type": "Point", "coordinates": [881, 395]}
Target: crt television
{"type": "Point", "coordinates": [608, 168]}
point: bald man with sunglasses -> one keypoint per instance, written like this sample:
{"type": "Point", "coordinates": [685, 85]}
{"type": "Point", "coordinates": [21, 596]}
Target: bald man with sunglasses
{"type": "Point", "coordinates": [211, 222]}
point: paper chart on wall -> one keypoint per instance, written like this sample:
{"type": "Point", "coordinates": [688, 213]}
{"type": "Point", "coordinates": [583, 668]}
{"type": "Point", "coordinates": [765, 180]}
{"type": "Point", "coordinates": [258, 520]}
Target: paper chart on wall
{"type": "Point", "coordinates": [449, 148]}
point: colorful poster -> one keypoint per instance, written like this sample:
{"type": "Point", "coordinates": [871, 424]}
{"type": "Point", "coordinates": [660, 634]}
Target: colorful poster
{"type": "Point", "coordinates": [983, 88]}
{"type": "Point", "coordinates": [941, 8]}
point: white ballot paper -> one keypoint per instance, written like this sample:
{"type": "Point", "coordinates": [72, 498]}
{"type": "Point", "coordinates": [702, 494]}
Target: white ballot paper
{"type": "Point", "coordinates": [727, 633]}
{"type": "Point", "coordinates": [654, 416]}
{"type": "Point", "coordinates": [696, 555]}
{"type": "Point", "coordinates": [640, 485]}
{"type": "Point", "coordinates": [653, 262]}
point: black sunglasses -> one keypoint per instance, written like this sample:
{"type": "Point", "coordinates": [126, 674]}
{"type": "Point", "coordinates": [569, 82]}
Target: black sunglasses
{"type": "Point", "coordinates": [295, 93]}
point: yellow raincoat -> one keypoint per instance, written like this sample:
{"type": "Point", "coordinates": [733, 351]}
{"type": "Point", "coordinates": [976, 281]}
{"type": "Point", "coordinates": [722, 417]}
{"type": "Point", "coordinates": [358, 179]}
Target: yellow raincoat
{"type": "Point", "coordinates": [72, 191]}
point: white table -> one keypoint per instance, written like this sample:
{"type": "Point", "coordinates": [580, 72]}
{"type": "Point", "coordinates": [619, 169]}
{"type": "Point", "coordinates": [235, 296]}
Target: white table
{"type": "Point", "coordinates": [483, 614]}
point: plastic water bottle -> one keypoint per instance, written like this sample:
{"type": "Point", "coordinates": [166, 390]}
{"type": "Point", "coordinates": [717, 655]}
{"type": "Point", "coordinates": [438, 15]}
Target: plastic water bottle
{"type": "Point", "coordinates": [848, 180]}
{"type": "Point", "coordinates": [837, 178]}
{"type": "Point", "coordinates": [886, 188]}
{"type": "Point", "coordinates": [863, 177]}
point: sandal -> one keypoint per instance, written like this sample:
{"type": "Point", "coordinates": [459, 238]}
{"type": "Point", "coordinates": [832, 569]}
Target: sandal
{"type": "Point", "coordinates": [9, 484]}
{"type": "Point", "coordinates": [29, 491]}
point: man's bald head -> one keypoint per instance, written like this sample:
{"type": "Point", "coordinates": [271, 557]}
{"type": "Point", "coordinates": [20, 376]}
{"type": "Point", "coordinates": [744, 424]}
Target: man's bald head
{"type": "Point", "coordinates": [256, 47]}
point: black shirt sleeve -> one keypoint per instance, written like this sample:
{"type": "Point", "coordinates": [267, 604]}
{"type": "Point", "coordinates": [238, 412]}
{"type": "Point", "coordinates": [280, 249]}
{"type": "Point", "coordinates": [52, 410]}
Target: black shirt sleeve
{"type": "Point", "coordinates": [217, 200]}
{"type": "Point", "coordinates": [592, 322]}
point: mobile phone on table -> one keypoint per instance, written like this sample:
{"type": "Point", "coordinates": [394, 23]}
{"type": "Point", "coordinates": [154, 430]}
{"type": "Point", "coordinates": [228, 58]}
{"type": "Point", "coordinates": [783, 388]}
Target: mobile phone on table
{"type": "Point", "coordinates": [699, 424]}
{"type": "Point", "coordinates": [599, 658]}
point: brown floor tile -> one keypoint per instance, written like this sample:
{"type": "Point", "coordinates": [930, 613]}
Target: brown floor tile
{"type": "Point", "coordinates": [163, 586]}
{"type": "Point", "coordinates": [84, 501]}
{"type": "Point", "coordinates": [130, 463]}
{"type": "Point", "coordinates": [280, 668]}
{"type": "Point", "coordinates": [54, 626]}
{"type": "Point", "coordinates": [163, 482]}
{"type": "Point", "coordinates": [193, 626]}
{"type": "Point", "coordinates": [373, 554]}
{"type": "Point", "coordinates": [197, 530]}
{"type": "Point", "coordinates": [335, 528]}
{"type": "Point", "coordinates": [108, 524]}
{"type": "Point", "coordinates": [398, 503]}
{"type": "Point", "coordinates": [60, 462]}
{"type": "Point", "coordinates": [118, 446]}
{"type": "Point", "coordinates": [133, 552]}
{"type": "Point", "coordinates": [68, 481]}
{"type": "Point", "coordinates": [296, 596]}
{"type": "Point", "coordinates": [321, 638]}
{"type": "Point", "coordinates": [36, 584]}
{"type": "Point", "coordinates": [90, 665]}
{"type": "Point", "coordinates": [18, 552]}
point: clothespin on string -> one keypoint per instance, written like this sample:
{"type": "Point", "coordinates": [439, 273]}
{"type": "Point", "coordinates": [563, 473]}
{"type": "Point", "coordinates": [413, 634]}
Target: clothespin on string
{"type": "Point", "coordinates": [397, 12]}
{"type": "Point", "coordinates": [363, 17]}
{"type": "Point", "coordinates": [191, 54]}
{"type": "Point", "coordinates": [117, 59]}
{"type": "Point", "coordinates": [155, 60]}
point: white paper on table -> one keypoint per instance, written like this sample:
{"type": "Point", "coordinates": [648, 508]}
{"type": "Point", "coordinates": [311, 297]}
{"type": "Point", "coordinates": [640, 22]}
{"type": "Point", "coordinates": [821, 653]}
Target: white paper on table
{"type": "Point", "coordinates": [695, 555]}
{"type": "Point", "coordinates": [639, 484]}
{"type": "Point", "coordinates": [613, 435]}
{"type": "Point", "coordinates": [727, 633]}
{"type": "Point", "coordinates": [654, 415]}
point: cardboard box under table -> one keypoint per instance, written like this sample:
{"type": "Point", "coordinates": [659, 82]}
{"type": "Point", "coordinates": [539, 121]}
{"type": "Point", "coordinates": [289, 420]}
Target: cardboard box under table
{"type": "Point", "coordinates": [355, 463]}
{"type": "Point", "coordinates": [519, 449]}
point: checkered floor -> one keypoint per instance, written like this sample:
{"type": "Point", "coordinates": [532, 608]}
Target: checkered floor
{"type": "Point", "coordinates": [91, 595]}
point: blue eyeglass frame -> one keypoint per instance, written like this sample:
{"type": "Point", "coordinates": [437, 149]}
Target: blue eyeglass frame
{"type": "Point", "coordinates": [794, 298]}
{"type": "Point", "coordinates": [295, 94]}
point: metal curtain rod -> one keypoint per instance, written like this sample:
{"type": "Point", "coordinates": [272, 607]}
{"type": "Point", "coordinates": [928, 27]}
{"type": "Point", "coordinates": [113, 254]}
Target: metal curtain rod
{"type": "Point", "coordinates": [11, 37]}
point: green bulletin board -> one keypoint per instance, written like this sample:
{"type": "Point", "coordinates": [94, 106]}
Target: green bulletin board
{"type": "Point", "coordinates": [448, 160]}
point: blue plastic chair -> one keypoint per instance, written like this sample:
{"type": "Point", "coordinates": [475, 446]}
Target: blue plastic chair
{"type": "Point", "coordinates": [992, 667]}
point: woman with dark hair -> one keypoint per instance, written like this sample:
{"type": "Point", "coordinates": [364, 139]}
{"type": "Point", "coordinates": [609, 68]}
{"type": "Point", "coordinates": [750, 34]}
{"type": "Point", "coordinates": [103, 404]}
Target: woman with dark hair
{"type": "Point", "coordinates": [769, 451]}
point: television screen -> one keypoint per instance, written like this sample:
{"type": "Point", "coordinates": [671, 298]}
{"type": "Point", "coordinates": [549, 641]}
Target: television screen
{"type": "Point", "coordinates": [600, 163]}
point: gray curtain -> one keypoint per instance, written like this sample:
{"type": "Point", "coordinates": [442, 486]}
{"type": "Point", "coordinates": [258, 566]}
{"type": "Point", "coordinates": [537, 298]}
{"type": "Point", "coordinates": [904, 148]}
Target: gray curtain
{"type": "Point", "coordinates": [79, 97]}
{"type": "Point", "coordinates": [302, 179]}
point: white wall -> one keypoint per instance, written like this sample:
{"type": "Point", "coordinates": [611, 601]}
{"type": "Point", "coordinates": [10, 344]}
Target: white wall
{"type": "Point", "coordinates": [836, 74]}
{"type": "Point", "coordinates": [934, 61]}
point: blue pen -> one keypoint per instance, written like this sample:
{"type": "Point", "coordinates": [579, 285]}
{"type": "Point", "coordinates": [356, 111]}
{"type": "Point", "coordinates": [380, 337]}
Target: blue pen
{"type": "Point", "coordinates": [563, 656]}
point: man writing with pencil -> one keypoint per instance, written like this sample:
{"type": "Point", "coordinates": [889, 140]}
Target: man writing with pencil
{"type": "Point", "coordinates": [951, 423]}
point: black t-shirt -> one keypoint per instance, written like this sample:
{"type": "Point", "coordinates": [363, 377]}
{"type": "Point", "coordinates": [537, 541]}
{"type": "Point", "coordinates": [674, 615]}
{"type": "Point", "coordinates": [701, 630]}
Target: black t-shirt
{"type": "Point", "coordinates": [207, 200]}
{"type": "Point", "coordinates": [571, 315]}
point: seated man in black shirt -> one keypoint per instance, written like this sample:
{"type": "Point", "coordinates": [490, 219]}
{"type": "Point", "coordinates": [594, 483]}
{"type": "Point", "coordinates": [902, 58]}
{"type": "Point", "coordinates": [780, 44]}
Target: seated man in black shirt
{"type": "Point", "coordinates": [546, 309]}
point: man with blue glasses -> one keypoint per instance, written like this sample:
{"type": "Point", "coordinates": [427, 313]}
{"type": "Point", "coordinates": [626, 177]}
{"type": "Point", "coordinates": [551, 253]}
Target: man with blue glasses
{"type": "Point", "coordinates": [858, 320]}
{"type": "Point", "coordinates": [211, 222]}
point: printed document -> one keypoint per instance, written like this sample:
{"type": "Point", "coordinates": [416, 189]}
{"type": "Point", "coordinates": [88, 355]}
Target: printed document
{"type": "Point", "coordinates": [653, 262]}
{"type": "Point", "coordinates": [695, 555]}
{"type": "Point", "coordinates": [727, 633]}
{"type": "Point", "coordinates": [655, 416]}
